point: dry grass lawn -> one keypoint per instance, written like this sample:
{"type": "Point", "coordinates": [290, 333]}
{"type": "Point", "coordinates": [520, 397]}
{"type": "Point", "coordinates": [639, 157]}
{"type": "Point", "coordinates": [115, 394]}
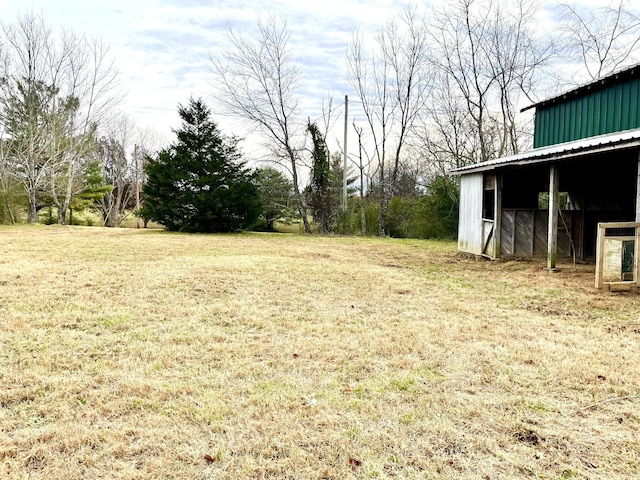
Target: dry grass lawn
{"type": "Point", "coordinates": [131, 354]}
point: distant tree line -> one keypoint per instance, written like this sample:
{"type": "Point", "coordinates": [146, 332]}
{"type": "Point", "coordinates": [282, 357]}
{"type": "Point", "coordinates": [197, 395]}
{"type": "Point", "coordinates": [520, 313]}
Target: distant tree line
{"type": "Point", "coordinates": [437, 89]}
{"type": "Point", "coordinates": [65, 147]}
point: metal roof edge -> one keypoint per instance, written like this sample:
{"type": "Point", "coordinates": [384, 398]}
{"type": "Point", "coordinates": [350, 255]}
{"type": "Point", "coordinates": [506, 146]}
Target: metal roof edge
{"type": "Point", "coordinates": [590, 145]}
{"type": "Point", "coordinates": [625, 71]}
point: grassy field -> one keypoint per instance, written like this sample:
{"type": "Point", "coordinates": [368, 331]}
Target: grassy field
{"type": "Point", "coordinates": [130, 354]}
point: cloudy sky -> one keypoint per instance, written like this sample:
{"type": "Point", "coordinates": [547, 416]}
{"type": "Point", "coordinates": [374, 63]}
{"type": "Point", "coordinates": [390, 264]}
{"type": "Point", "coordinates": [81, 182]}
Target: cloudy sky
{"type": "Point", "coordinates": [162, 47]}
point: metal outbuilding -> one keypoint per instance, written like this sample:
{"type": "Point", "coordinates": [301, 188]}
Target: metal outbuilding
{"type": "Point", "coordinates": [583, 170]}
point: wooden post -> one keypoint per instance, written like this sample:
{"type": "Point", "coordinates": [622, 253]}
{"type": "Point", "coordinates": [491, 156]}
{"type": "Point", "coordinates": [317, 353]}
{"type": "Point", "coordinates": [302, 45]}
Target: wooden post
{"type": "Point", "coordinates": [636, 263]}
{"type": "Point", "coordinates": [552, 234]}
{"type": "Point", "coordinates": [497, 215]}
{"type": "Point", "coordinates": [344, 160]}
{"type": "Point", "coordinates": [600, 254]}
{"type": "Point", "coordinates": [636, 251]}
{"type": "Point", "coordinates": [135, 157]}
{"type": "Point", "coordinates": [638, 191]}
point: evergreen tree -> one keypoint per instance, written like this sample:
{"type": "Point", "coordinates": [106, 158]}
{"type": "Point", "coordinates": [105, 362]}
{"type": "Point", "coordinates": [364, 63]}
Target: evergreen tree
{"type": "Point", "coordinates": [277, 197]}
{"type": "Point", "coordinates": [199, 184]}
{"type": "Point", "coordinates": [94, 187]}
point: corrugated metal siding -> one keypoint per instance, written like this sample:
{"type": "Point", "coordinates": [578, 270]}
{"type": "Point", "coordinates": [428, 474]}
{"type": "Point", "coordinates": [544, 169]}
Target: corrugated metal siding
{"type": "Point", "coordinates": [612, 109]}
{"type": "Point", "coordinates": [470, 218]}
{"type": "Point", "coordinates": [524, 232]}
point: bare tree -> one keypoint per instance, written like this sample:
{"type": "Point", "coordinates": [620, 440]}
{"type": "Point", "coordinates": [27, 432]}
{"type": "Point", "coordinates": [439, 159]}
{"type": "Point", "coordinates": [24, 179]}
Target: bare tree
{"type": "Point", "coordinates": [487, 55]}
{"type": "Point", "coordinates": [370, 78]}
{"type": "Point", "coordinates": [55, 91]}
{"type": "Point", "coordinates": [603, 39]}
{"type": "Point", "coordinates": [114, 153]}
{"type": "Point", "coordinates": [517, 57]}
{"type": "Point", "coordinates": [257, 80]}
{"type": "Point", "coordinates": [447, 140]}
{"type": "Point", "coordinates": [91, 80]}
{"type": "Point", "coordinates": [121, 151]}
{"type": "Point", "coordinates": [363, 163]}
{"type": "Point", "coordinates": [9, 184]}
{"type": "Point", "coordinates": [392, 85]}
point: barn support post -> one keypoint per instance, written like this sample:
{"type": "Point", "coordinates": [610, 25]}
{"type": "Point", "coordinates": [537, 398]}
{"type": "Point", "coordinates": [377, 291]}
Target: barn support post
{"type": "Point", "coordinates": [638, 190]}
{"type": "Point", "coordinates": [497, 215]}
{"type": "Point", "coordinates": [636, 261]}
{"type": "Point", "coordinates": [599, 254]}
{"type": "Point", "coordinates": [552, 233]}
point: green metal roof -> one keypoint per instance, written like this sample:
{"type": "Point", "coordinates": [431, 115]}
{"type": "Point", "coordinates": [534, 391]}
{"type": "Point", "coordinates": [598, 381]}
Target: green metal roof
{"type": "Point", "coordinates": [610, 104]}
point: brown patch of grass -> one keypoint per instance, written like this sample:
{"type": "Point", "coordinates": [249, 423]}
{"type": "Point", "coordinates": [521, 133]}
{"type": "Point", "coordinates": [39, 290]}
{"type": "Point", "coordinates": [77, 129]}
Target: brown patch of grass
{"type": "Point", "coordinates": [141, 354]}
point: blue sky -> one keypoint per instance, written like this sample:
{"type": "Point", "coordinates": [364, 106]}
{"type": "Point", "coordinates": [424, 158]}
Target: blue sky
{"type": "Point", "coordinates": [162, 47]}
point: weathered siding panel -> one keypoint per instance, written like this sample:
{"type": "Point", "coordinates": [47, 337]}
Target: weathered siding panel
{"type": "Point", "coordinates": [565, 233]}
{"type": "Point", "coordinates": [540, 229]}
{"type": "Point", "coordinates": [524, 232]}
{"type": "Point", "coordinates": [470, 218]}
{"type": "Point", "coordinates": [507, 232]}
{"type": "Point", "coordinates": [488, 237]}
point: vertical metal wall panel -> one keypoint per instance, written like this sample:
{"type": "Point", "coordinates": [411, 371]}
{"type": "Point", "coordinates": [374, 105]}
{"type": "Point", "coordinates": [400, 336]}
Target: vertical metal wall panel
{"type": "Point", "coordinates": [624, 99]}
{"type": "Point", "coordinates": [575, 114]}
{"type": "Point", "coordinates": [594, 106]}
{"type": "Point", "coordinates": [620, 119]}
{"type": "Point", "coordinates": [540, 228]}
{"type": "Point", "coordinates": [596, 114]}
{"type": "Point", "coordinates": [470, 218]}
{"type": "Point", "coordinates": [616, 107]}
{"type": "Point", "coordinates": [634, 99]}
{"type": "Point", "coordinates": [542, 127]}
{"type": "Point", "coordinates": [564, 234]}
{"type": "Point", "coordinates": [524, 221]}
{"type": "Point", "coordinates": [507, 232]}
{"type": "Point", "coordinates": [524, 233]}
{"type": "Point", "coordinates": [538, 126]}
{"type": "Point", "coordinates": [613, 112]}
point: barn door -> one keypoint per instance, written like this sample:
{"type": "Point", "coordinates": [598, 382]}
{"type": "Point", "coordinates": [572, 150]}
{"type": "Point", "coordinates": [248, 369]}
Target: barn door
{"type": "Point", "coordinates": [491, 200]}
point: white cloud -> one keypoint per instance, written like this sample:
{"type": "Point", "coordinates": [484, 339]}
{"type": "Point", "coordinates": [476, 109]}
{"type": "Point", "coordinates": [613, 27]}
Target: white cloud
{"type": "Point", "coordinates": [162, 47]}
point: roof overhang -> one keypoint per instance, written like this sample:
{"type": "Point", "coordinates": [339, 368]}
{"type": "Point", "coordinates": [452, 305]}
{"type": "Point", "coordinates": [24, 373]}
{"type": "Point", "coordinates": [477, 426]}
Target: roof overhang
{"type": "Point", "coordinates": [589, 146]}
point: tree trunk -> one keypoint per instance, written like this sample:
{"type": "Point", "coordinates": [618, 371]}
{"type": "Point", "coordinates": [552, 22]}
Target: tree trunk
{"type": "Point", "coordinates": [302, 208]}
{"type": "Point", "coordinates": [382, 215]}
{"type": "Point", "coordinates": [32, 208]}
{"type": "Point", "coordinates": [269, 220]}
{"type": "Point", "coordinates": [62, 206]}
{"type": "Point", "coordinates": [62, 216]}
{"type": "Point", "coordinates": [116, 213]}
{"type": "Point", "coordinates": [68, 194]}
{"type": "Point", "coordinates": [384, 203]}
{"type": "Point", "coordinates": [32, 215]}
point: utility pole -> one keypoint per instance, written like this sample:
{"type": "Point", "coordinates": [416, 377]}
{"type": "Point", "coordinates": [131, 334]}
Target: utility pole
{"type": "Point", "coordinates": [135, 157]}
{"type": "Point", "coordinates": [344, 161]}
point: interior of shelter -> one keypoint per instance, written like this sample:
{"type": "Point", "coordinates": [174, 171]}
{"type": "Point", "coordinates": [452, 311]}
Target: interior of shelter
{"type": "Point", "coordinates": [592, 188]}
